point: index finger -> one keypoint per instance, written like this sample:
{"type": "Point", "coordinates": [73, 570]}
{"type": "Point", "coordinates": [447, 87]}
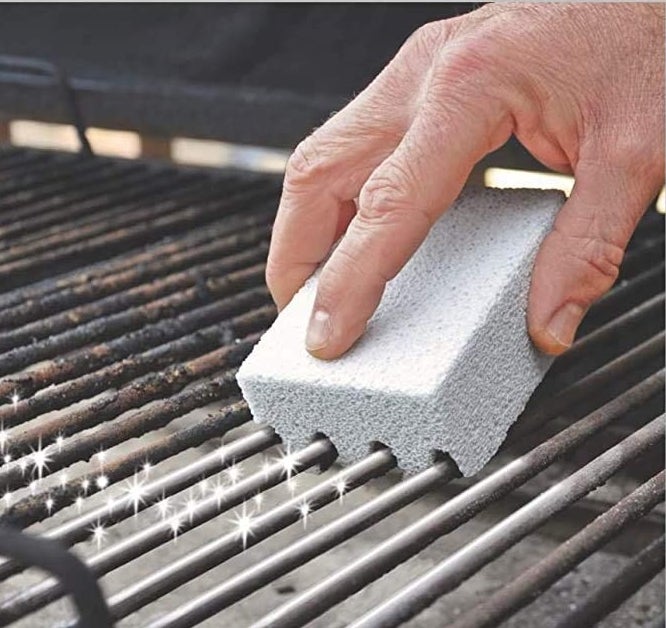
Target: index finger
{"type": "Point", "coordinates": [398, 205]}
{"type": "Point", "coordinates": [328, 169]}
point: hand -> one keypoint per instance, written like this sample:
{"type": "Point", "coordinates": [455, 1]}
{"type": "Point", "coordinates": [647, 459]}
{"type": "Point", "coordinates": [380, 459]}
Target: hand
{"type": "Point", "coordinates": [581, 87]}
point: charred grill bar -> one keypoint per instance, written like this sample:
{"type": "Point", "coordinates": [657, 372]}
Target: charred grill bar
{"type": "Point", "coordinates": [132, 292]}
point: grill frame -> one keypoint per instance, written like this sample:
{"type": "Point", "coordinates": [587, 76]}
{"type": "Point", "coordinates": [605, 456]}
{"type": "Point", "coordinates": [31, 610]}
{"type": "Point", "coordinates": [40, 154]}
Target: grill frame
{"type": "Point", "coordinates": [623, 342]}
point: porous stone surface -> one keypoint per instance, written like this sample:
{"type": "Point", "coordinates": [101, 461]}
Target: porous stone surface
{"type": "Point", "coordinates": [446, 363]}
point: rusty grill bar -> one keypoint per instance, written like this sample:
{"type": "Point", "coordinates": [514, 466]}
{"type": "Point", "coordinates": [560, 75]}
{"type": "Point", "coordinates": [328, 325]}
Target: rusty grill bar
{"type": "Point", "coordinates": [133, 291]}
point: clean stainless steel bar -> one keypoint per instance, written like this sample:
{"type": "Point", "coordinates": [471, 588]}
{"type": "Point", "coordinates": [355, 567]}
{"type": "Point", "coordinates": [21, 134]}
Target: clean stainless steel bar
{"type": "Point", "coordinates": [162, 532]}
{"type": "Point", "coordinates": [313, 545]}
{"type": "Point", "coordinates": [215, 552]}
{"type": "Point", "coordinates": [531, 583]}
{"type": "Point", "coordinates": [423, 591]}
{"type": "Point", "coordinates": [30, 508]}
{"type": "Point", "coordinates": [167, 485]}
{"type": "Point", "coordinates": [387, 555]}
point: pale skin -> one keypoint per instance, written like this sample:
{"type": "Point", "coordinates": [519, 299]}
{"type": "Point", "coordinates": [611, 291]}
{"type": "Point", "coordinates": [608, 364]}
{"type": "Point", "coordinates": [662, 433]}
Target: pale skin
{"type": "Point", "coordinates": [580, 86]}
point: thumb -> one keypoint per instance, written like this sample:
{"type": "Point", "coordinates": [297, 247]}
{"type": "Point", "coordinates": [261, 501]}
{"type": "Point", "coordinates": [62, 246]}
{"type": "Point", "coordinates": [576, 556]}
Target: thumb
{"type": "Point", "coordinates": [579, 259]}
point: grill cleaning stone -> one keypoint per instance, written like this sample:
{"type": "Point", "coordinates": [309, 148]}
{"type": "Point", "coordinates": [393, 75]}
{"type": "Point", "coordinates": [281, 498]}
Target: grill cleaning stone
{"type": "Point", "coordinates": [446, 363]}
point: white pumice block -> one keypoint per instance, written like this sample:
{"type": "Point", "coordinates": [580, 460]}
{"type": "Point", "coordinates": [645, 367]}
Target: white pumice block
{"type": "Point", "coordinates": [446, 363]}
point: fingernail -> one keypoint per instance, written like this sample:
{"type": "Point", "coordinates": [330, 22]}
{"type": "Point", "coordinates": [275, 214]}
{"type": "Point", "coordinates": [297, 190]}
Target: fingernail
{"type": "Point", "coordinates": [319, 331]}
{"type": "Point", "coordinates": [564, 323]}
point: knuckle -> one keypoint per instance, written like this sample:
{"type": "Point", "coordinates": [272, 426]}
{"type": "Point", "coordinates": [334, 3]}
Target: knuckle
{"type": "Point", "coordinates": [427, 38]}
{"type": "Point", "coordinates": [306, 163]}
{"type": "Point", "coordinates": [348, 266]}
{"type": "Point", "coordinates": [600, 257]}
{"type": "Point", "coordinates": [463, 69]}
{"type": "Point", "coordinates": [385, 193]}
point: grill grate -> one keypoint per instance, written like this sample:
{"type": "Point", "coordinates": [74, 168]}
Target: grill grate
{"type": "Point", "coordinates": [133, 291]}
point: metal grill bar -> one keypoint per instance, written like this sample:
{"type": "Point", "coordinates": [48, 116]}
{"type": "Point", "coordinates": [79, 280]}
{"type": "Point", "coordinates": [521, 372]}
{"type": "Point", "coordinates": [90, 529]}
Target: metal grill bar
{"type": "Point", "coordinates": [145, 292]}
{"type": "Point", "coordinates": [163, 532]}
{"type": "Point", "coordinates": [646, 318]}
{"type": "Point", "coordinates": [263, 526]}
{"type": "Point", "coordinates": [140, 295]}
{"type": "Point", "coordinates": [300, 552]}
{"type": "Point", "coordinates": [104, 191]}
{"type": "Point", "coordinates": [468, 560]}
{"type": "Point", "coordinates": [171, 199]}
{"type": "Point", "coordinates": [456, 511]}
{"type": "Point", "coordinates": [617, 301]}
{"type": "Point", "coordinates": [253, 230]}
{"type": "Point", "coordinates": [74, 390]}
{"type": "Point", "coordinates": [171, 219]}
{"type": "Point", "coordinates": [640, 570]}
{"type": "Point", "coordinates": [17, 161]}
{"type": "Point", "coordinates": [115, 324]}
{"type": "Point", "coordinates": [527, 587]}
{"type": "Point", "coordinates": [648, 254]}
{"type": "Point", "coordinates": [124, 467]}
{"type": "Point", "coordinates": [74, 286]}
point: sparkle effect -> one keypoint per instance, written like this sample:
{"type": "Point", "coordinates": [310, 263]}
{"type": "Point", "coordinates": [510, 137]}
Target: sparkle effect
{"type": "Point", "coordinates": [191, 506]}
{"type": "Point", "coordinates": [234, 473]}
{"type": "Point", "coordinates": [4, 438]}
{"type": "Point", "coordinates": [243, 523]}
{"type": "Point", "coordinates": [99, 534]}
{"type": "Point", "coordinates": [164, 508]}
{"type": "Point", "coordinates": [40, 460]}
{"type": "Point", "coordinates": [175, 524]}
{"type": "Point", "coordinates": [341, 488]}
{"type": "Point", "coordinates": [137, 490]}
{"type": "Point", "coordinates": [304, 509]}
{"type": "Point", "coordinates": [289, 463]}
{"type": "Point", "coordinates": [135, 493]}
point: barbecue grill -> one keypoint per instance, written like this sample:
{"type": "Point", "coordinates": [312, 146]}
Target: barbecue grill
{"type": "Point", "coordinates": [134, 487]}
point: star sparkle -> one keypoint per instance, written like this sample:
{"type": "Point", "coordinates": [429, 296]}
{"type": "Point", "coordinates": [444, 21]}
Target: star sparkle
{"type": "Point", "coordinates": [304, 509]}
{"type": "Point", "coordinates": [99, 534]}
{"type": "Point", "coordinates": [244, 523]}
{"type": "Point", "coordinates": [135, 492]}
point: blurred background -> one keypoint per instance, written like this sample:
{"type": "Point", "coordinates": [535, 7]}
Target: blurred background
{"type": "Point", "coordinates": [210, 85]}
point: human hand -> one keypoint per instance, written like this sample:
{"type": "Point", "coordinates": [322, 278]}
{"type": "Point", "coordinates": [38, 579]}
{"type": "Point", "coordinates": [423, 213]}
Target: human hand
{"type": "Point", "coordinates": [581, 87]}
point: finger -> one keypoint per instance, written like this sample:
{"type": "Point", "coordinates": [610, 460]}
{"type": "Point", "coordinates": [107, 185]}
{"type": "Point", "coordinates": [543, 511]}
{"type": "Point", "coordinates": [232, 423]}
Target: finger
{"type": "Point", "coordinates": [325, 172]}
{"type": "Point", "coordinates": [579, 260]}
{"type": "Point", "coordinates": [328, 169]}
{"type": "Point", "coordinates": [397, 206]}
